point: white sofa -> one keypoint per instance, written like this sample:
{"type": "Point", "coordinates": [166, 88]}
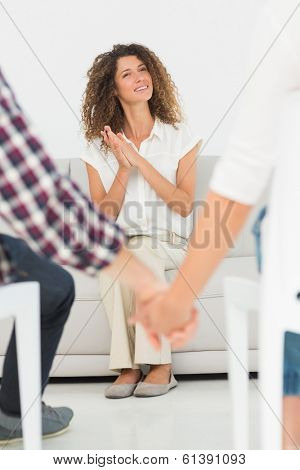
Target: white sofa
{"type": "Point", "coordinates": [84, 348]}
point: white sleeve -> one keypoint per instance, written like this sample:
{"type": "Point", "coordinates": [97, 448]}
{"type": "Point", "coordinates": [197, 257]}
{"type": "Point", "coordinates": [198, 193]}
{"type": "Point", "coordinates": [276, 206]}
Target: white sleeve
{"type": "Point", "coordinates": [90, 153]}
{"type": "Point", "coordinates": [188, 140]}
{"type": "Point", "coordinates": [244, 170]}
{"type": "Point", "coordinates": [106, 165]}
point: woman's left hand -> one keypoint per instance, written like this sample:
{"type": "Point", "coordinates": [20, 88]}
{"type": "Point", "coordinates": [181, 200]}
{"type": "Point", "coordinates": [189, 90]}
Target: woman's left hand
{"type": "Point", "coordinates": [129, 152]}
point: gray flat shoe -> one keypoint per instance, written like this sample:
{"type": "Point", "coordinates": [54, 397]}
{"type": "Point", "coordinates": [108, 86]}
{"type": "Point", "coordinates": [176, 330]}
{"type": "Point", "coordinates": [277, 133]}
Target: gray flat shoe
{"type": "Point", "coordinates": [154, 390]}
{"type": "Point", "coordinates": [120, 390]}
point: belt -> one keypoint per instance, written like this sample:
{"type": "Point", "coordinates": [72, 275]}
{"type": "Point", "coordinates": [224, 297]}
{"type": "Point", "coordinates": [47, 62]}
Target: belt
{"type": "Point", "coordinates": [165, 236]}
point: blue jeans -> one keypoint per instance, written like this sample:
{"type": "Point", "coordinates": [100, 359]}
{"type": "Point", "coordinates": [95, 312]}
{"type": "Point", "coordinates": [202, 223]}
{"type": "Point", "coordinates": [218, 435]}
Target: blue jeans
{"type": "Point", "coordinates": [291, 366]}
{"type": "Point", "coordinates": [57, 296]}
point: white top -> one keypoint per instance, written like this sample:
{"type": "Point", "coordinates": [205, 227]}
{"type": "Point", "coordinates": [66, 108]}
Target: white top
{"type": "Point", "coordinates": [244, 170]}
{"type": "Point", "coordinates": [143, 211]}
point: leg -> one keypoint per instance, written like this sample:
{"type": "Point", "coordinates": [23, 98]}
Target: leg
{"type": "Point", "coordinates": [129, 345]}
{"type": "Point", "coordinates": [171, 257]}
{"type": "Point", "coordinates": [147, 250]}
{"type": "Point", "coordinates": [57, 296]}
{"type": "Point", "coordinates": [117, 300]}
{"type": "Point", "coordinates": [160, 378]}
{"type": "Point", "coordinates": [291, 400]}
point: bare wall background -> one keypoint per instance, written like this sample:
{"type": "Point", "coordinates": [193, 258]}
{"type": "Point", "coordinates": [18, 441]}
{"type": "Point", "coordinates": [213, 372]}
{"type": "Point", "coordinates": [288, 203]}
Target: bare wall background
{"type": "Point", "coordinates": [46, 47]}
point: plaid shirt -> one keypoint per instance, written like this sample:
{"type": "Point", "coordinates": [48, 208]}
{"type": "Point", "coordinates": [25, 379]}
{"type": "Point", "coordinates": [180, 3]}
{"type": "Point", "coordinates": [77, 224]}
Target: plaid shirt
{"type": "Point", "coordinates": [45, 208]}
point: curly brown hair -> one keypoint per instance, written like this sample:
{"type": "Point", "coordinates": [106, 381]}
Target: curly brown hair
{"type": "Point", "coordinates": [100, 105]}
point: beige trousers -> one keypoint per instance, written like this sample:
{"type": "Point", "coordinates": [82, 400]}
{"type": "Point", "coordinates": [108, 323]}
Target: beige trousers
{"type": "Point", "coordinates": [130, 347]}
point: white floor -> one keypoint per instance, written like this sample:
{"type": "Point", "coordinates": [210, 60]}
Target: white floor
{"type": "Point", "coordinates": [196, 415]}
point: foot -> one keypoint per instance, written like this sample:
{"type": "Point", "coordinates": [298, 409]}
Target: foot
{"type": "Point", "coordinates": [55, 421]}
{"type": "Point", "coordinates": [124, 385]}
{"type": "Point", "coordinates": [159, 374]}
{"type": "Point", "coordinates": [159, 381]}
{"type": "Point", "coordinates": [128, 376]}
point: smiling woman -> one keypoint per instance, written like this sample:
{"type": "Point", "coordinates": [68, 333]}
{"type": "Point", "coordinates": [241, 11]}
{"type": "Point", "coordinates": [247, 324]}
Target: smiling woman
{"type": "Point", "coordinates": [140, 164]}
{"type": "Point", "coordinates": [132, 80]}
{"type": "Point", "coordinates": [102, 105]}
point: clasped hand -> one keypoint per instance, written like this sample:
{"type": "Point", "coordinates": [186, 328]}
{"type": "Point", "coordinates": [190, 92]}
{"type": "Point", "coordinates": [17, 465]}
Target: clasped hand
{"type": "Point", "coordinates": [126, 155]}
{"type": "Point", "coordinates": [159, 316]}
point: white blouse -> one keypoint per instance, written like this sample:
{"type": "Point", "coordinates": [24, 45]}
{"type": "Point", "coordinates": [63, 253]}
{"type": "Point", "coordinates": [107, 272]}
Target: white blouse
{"type": "Point", "coordinates": [143, 211]}
{"type": "Point", "coordinates": [250, 157]}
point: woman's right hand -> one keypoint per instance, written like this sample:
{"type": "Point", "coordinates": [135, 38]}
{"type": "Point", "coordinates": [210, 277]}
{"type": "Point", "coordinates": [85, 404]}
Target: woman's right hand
{"type": "Point", "coordinates": [113, 142]}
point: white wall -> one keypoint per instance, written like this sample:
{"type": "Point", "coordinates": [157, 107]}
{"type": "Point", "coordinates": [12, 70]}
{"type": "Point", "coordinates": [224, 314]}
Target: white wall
{"type": "Point", "coordinates": [202, 42]}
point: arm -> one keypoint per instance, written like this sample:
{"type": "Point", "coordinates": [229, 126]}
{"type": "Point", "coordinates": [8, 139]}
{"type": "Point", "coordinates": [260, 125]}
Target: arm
{"type": "Point", "coordinates": [110, 203]}
{"type": "Point", "coordinates": [218, 226]}
{"type": "Point", "coordinates": [134, 274]}
{"type": "Point", "coordinates": [242, 174]}
{"type": "Point", "coordinates": [179, 197]}
{"type": "Point", "coordinates": [47, 209]}
{"type": "Point", "coordinates": [173, 310]}
{"type": "Point", "coordinates": [239, 178]}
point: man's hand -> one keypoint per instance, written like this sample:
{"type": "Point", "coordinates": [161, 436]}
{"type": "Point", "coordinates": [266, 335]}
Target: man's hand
{"type": "Point", "coordinates": [159, 316]}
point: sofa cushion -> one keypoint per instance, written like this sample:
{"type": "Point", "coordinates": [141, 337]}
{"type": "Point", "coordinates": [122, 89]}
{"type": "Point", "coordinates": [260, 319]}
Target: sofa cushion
{"type": "Point", "coordinates": [86, 337]}
{"type": "Point", "coordinates": [78, 173]}
{"type": "Point", "coordinates": [63, 165]}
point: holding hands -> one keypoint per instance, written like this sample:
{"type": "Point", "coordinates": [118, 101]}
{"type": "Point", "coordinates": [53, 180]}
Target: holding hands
{"type": "Point", "coordinates": [159, 315]}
